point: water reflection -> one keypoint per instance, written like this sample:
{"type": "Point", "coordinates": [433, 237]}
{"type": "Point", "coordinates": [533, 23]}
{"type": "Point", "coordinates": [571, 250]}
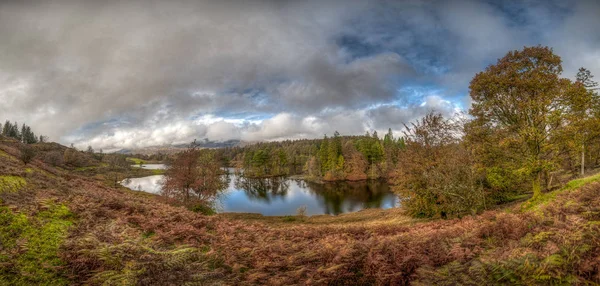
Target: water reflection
{"type": "Point", "coordinates": [150, 184]}
{"type": "Point", "coordinates": [283, 196]}
{"type": "Point", "coordinates": [151, 166]}
{"type": "Point", "coordinates": [264, 190]}
{"type": "Point", "coordinates": [341, 197]}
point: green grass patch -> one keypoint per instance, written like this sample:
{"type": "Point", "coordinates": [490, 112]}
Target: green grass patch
{"type": "Point", "coordinates": [11, 183]}
{"type": "Point", "coordinates": [203, 209]}
{"type": "Point", "coordinates": [7, 156]}
{"type": "Point", "coordinates": [542, 200]}
{"type": "Point", "coordinates": [136, 161]}
{"type": "Point", "coordinates": [83, 169]}
{"type": "Point", "coordinates": [30, 245]}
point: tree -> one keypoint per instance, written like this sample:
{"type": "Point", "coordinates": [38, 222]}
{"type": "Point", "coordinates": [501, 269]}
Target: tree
{"type": "Point", "coordinates": [584, 76]}
{"type": "Point", "coordinates": [193, 177]}
{"type": "Point", "coordinates": [585, 112]}
{"type": "Point", "coordinates": [6, 128]}
{"type": "Point", "coordinates": [27, 154]}
{"type": "Point", "coordinates": [324, 155]}
{"type": "Point", "coordinates": [388, 139]}
{"type": "Point", "coordinates": [523, 98]}
{"type": "Point", "coordinates": [435, 174]}
{"type": "Point", "coordinates": [70, 157]}
{"type": "Point", "coordinates": [116, 164]}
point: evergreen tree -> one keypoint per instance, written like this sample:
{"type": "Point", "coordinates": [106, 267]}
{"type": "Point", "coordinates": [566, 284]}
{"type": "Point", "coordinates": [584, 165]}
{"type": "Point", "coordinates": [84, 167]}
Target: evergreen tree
{"type": "Point", "coordinates": [324, 154]}
{"type": "Point", "coordinates": [24, 133]}
{"type": "Point", "coordinates": [6, 129]}
{"type": "Point", "coordinates": [388, 139]}
{"type": "Point", "coordinates": [584, 76]}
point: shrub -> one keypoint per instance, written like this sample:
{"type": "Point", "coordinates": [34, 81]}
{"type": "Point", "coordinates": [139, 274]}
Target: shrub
{"type": "Point", "coordinates": [27, 154]}
{"type": "Point", "coordinates": [203, 209]}
{"type": "Point", "coordinates": [301, 211]}
{"type": "Point", "coordinates": [54, 158]}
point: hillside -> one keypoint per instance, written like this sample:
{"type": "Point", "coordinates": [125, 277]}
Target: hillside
{"type": "Point", "coordinates": [62, 227]}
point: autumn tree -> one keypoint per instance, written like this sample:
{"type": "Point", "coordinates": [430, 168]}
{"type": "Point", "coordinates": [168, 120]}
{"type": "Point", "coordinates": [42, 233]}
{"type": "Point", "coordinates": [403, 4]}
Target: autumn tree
{"type": "Point", "coordinates": [193, 177]}
{"type": "Point", "coordinates": [435, 175]}
{"type": "Point", "coordinates": [355, 165]}
{"type": "Point", "coordinates": [523, 99]}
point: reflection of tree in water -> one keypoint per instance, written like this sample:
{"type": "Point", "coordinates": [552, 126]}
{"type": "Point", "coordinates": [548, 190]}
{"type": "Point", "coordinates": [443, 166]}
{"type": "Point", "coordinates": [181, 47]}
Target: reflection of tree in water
{"type": "Point", "coordinates": [263, 189]}
{"type": "Point", "coordinates": [355, 195]}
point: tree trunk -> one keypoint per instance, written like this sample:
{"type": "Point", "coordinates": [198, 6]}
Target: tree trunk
{"type": "Point", "coordinates": [537, 185]}
{"type": "Point", "coordinates": [583, 160]}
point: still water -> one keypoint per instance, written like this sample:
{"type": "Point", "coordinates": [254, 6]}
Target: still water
{"type": "Point", "coordinates": [283, 196]}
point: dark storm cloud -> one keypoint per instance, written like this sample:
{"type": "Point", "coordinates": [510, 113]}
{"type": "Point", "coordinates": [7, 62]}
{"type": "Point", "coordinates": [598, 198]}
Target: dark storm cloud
{"type": "Point", "coordinates": [139, 73]}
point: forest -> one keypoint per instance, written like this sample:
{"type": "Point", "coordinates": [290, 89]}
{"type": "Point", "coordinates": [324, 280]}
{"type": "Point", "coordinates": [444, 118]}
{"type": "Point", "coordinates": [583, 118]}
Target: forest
{"type": "Point", "coordinates": [329, 159]}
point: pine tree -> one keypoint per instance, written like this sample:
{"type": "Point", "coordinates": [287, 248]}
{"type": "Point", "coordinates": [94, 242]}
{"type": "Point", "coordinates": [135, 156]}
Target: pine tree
{"type": "Point", "coordinates": [388, 139]}
{"type": "Point", "coordinates": [24, 134]}
{"type": "Point", "coordinates": [6, 128]}
{"type": "Point", "coordinates": [324, 154]}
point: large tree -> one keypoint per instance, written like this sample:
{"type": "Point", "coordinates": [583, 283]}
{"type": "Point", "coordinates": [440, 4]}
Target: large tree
{"type": "Point", "coordinates": [521, 105]}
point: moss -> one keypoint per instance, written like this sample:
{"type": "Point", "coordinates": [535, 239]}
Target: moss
{"type": "Point", "coordinates": [30, 245]}
{"type": "Point", "coordinates": [7, 156]}
{"type": "Point", "coordinates": [11, 184]}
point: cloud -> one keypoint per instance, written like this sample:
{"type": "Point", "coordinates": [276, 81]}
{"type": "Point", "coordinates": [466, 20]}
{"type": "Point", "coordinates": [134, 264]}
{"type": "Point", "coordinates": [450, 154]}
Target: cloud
{"type": "Point", "coordinates": [142, 73]}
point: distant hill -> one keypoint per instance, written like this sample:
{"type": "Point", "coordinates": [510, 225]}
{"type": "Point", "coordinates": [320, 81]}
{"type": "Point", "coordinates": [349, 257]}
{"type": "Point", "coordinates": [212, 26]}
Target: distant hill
{"type": "Point", "coordinates": [171, 149]}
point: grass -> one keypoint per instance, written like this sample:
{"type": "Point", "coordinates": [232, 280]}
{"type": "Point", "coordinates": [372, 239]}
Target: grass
{"type": "Point", "coordinates": [365, 217]}
{"type": "Point", "coordinates": [136, 161]}
{"type": "Point", "coordinates": [11, 183]}
{"type": "Point", "coordinates": [545, 198]}
{"type": "Point", "coordinates": [30, 252]}
{"type": "Point", "coordinates": [84, 169]}
{"type": "Point", "coordinates": [6, 156]}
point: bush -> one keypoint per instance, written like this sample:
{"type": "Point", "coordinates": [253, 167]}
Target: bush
{"type": "Point", "coordinates": [203, 209]}
{"type": "Point", "coordinates": [436, 176]}
{"type": "Point", "coordinates": [54, 158]}
{"type": "Point", "coordinates": [27, 154]}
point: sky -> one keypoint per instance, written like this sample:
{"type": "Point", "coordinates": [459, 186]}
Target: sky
{"type": "Point", "coordinates": [132, 74]}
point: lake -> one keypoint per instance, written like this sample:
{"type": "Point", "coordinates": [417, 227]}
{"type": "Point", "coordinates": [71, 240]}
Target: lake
{"type": "Point", "coordinates": [283, 196]}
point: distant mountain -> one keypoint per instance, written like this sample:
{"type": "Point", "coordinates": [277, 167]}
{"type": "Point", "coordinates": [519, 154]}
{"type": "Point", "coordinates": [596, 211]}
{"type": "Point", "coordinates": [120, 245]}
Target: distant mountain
{"type": "Point", "coordinates": [213, 144]}
{"type": "Point", "coordinates": [170, 149]}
